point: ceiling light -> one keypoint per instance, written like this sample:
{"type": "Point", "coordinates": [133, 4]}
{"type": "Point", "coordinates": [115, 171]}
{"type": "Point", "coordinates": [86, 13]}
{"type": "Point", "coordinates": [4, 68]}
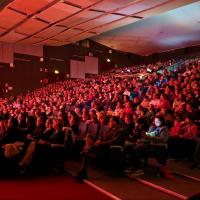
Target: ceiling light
{"type": "Point", "coordinates": [56, 71]}
{"type": "Point", "coordinates": [108, 60]}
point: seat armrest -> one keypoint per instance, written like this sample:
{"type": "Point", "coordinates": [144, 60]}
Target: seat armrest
{"type": "Point", "coordinates": [57, 145]}
{"type": "Point", "coordinates": [121, 148]}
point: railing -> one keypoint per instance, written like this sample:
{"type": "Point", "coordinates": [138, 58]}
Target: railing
{"type": "Point", "coordinates": [172, 67]}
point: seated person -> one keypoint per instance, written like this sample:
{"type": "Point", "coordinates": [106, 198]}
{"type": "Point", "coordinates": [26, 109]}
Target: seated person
{"type": "Point", "coordinates": [12, 133]}
{"type": "Point", "coordinates": [73, 140]}
{"type": "Point", "coordinates": [11, 146]}
{"type": "Point", "coordinates": [30, 125]}
{"type": "Point", "coordinates": [48, 131]}
{"type": "Point", "coordinates": [131, 141]}
{"type": "Point", "coordinates": [189, 131]}
{"type": "Point", "coordinates": [174, 150]}
{"type": "Point", "coordinates": [153, 144]}
{"type": "Point", "coordinates": [45, 149]}
{"type": "Point", "coordinates": [38, 131]}
{"type": "Point", "coordinates": [101, 145]}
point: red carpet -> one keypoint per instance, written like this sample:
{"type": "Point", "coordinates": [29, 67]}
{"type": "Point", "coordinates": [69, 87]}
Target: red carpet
{"type": "Point", "coordinates": [51, 188]}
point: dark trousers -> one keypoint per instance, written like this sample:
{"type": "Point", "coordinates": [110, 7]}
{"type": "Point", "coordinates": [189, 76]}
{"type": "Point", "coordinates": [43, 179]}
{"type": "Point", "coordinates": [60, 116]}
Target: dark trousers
{"type": "Point", "coordinates": [101, 153]}
{"type": "Point", "coordinates": [146, 151]}
{"type": "Point", "coordinates": [46, 157]}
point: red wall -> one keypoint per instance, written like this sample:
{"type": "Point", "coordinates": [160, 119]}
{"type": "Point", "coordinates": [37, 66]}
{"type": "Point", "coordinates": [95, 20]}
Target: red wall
{"type": "Point", "coordinates": [24, 76]}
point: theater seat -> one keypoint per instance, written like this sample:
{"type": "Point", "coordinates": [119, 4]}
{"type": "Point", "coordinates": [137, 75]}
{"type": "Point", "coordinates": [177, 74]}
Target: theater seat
{"type": "Point", "coordinates": [82, 128]}
{"type": "Point", "coordinates": [93, 130]}
{"type": "Point", "coordinates": [117, 159]}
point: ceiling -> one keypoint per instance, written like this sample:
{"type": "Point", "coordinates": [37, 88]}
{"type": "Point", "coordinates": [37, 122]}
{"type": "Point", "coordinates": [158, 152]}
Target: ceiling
{"type": "Point", "coordinates": [111, 22]}
{"type": "Point", "coordinates": [174, 29]}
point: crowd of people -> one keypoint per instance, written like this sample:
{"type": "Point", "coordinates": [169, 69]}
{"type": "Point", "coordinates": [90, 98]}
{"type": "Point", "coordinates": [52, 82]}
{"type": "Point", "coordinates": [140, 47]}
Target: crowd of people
{"type": "Point", "coordinates": [157, 116]}
{"type": "Point", "coordinates": [142, 68]}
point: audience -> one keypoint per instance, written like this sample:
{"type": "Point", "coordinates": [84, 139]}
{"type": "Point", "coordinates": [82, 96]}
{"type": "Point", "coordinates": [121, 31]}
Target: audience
{"type": "Point", "coordinates": [128, 105]}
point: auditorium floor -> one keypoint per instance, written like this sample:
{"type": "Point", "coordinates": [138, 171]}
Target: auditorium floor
{"type": "Point", "coordinates": [101, 185]}
{"type": "Point", "coordinates": [129, 188]}
{"type": "Point", "coordinates": [47, 187]}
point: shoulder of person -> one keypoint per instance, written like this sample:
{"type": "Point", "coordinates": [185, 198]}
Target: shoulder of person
{"type": "Point", "coordinates": [163, 128]}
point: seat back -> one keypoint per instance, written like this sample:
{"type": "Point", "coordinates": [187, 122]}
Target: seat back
{"type": "Point", "coordinates": [67, 108]}
{"type": "Point", "coordinates": [72, 108]}
{"type": "Point", "coordinates": [92, 130]}
{"type": "Point", "coordinates": [102, 131]}
{"type": "Point", "coordinates": [82, 128]}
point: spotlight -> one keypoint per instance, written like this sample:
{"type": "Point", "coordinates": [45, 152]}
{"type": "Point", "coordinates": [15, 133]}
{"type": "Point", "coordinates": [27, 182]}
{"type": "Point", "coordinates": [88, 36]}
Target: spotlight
{"type": "Point", "coordinates": [108, 60]}
{"type": "Point", "coordinates": [56, 71]}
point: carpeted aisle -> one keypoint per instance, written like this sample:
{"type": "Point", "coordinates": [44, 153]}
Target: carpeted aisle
{"type": "Point", "coordinates": [48, 188]}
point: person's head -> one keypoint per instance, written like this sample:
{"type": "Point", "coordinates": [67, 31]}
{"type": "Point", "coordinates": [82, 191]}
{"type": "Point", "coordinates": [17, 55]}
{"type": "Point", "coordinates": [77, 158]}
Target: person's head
{"type": "Point", "coordinates": [125, 98]}
{"type": "Point", "coordinates": [155, 96]}
{"type": "Point", "coordinates": [39, 121]}
{"type": "Point", "coordinates": [102, 118]}
{"type": "Point", "coordinates": [94, 105]}
{"type": "Point", "coordinates": [188, 120]}
{"type": "Point", "coordinates": [189, 107]}
{"type": "Point", "coordinates": [57, 124]}
{"type": "Point", "coordinates": [163, 97]}
{"type": "Point", "coordinates": [85, 110]}
{"type": "Point", "coordinates": [113, 122]}
{"type": "Point", "coordinates": [20, 117]}
{"type": "Point", "coordinates": [145, 98]}
{"type": "Point", "coordinates": [77, 110]}
{"type": "Point", "coordinates": [37, 113]}
{"type": "Point", "coordinates": [136, 100]}
{"type": "Point", "coordinates": [150, 107]}
{"type": "Point", "coordinates": [177, 122]}
{"type": "Point", "coordinates": [92, 113]}
{"type": "Point", "coordinates": [119, 104]}
{"type": "Point", "coordinates": [128, 105]}
{"type": "Point", "coordinates": [128, 119]}
{"type": "Point", "coordinates": [49, 123]}
{"type": "Point", "coordinates": [60, 115]}
{"type": "Point", "coordinates": [159, 121]}
{"type": "Point", "coordinates": [72, 119]}
{"type": "Point", "coordinates": [85, 116]}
